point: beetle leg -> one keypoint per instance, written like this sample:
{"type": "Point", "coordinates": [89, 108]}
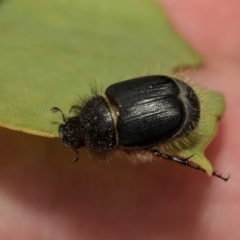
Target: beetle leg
{"type": "Point", "coordinates": [75, 109]}
{"type": "Point", "coordinates": [75, 159]}
{"type": "Point", "coordinates": [186, 162]}
{"type": "Point", "coordinates": [220, 176]}
{"type": "Point", "coordinates": [183, 161]}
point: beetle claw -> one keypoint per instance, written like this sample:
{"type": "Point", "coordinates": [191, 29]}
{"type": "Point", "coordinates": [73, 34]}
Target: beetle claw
{"type": "Point", "coordinates": [220, 176]}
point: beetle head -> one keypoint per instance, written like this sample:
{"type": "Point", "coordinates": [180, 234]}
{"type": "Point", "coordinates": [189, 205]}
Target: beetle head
{"type": "Point", "coordinates": [69, 131]}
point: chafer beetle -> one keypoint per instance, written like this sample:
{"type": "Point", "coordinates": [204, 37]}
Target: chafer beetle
{"type": "Point", "coordinates": [143, 117]}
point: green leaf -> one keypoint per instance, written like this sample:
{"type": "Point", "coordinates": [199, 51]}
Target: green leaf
{"type": "Point", "coordinates": [52, 51]}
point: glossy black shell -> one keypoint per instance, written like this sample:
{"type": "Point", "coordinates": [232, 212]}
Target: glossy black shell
{"type": "Point", "coordinates": [152, 109]}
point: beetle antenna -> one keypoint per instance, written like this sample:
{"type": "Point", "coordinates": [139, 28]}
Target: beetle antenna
{"type": "Point", "coordinates": [186, 162]}
{"type": "Point", "coordinates": [56, 109]}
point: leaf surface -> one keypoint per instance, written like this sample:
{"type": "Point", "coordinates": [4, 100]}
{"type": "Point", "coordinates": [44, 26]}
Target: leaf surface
{"type": "Point", "coordinates": [52, 51]}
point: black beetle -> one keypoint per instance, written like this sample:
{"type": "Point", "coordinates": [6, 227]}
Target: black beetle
{"type": "Point", "coordinates": [141, 114]}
